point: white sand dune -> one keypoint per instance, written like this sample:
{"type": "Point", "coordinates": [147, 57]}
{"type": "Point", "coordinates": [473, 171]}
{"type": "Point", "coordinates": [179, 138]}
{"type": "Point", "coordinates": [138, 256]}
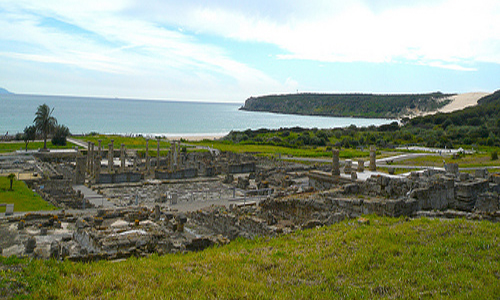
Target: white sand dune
{"type": "Point", "coordinates": [462, 101]}
{"type": "Point", "coordinates": [458, 102]}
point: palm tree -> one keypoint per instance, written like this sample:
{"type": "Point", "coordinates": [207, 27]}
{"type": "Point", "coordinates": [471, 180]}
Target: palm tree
{"type": "Point", "coordinates": [44, 122]}
{"type": "Point", "coordinates": [11, 178]}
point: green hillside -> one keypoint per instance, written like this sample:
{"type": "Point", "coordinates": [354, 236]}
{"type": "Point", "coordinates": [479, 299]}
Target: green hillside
{"type": "Point", "coordinates": [390, 258]}
{"type": "Point", "coordinates": [348, 105]}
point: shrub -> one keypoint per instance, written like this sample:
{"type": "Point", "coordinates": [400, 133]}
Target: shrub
{"type": "Point", "coordinates": [494, 155]}
{"type": "Point", "coordinates": [60, 135]}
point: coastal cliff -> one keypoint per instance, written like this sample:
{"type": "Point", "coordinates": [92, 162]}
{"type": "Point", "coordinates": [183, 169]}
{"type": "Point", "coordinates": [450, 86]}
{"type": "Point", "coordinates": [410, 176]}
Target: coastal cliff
{"type": "Point", "coordinates": [349, 105]}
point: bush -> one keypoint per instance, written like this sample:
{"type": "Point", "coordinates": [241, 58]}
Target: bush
{"type": "Point", "coordinates": [60, 135]}
{"type": "Point", "coordinates": [494, 155]}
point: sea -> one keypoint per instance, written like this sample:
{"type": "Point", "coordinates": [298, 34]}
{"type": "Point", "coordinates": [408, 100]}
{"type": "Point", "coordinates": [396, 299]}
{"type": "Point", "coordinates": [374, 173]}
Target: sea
{"type": "Point", "coordinates": [84, 115]}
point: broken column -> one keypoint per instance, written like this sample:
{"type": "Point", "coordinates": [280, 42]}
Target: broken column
{"type": "Point", "coordinates": [361, 166]}
{"type": "Point", "coordinates": [110, 156]}
{"type": "Point", "coordinates": [88, 157]}
{"type": "Point", "coordinates": [91, 159]}
{"type": "Point", "coordinates": [348, 166]}
{"type": "Point", "coordinates": [97, 169]}
{"type": "Point", "coordinates": [175, 156]}
{"type": "Point", "coordinates": [80, 170]}
{"type": "Point", "coordinates": [335, 162]}
{"type": "Point", "coordinates": [99, 149]}
{"type": "Point", "coordinates": [373, 158]}
{"type": "Point", "coordinates": [122, 157]}
{"type": "Point", "coordinates": [158, 155]}
{"type": "Point", "coordinates": [147, 154]}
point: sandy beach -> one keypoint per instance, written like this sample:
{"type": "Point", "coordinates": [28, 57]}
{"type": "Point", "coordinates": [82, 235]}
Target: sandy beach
{"type": "Point", "coordinates": [196, 137]}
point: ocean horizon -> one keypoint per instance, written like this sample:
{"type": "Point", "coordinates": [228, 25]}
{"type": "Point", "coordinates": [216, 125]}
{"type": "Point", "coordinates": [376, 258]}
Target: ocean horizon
{"type": "Point", "coordinates": [83, 115]}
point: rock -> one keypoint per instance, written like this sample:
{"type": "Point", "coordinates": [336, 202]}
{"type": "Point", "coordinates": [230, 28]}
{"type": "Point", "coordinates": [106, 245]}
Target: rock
{"type": "Point", "coordinates": [363, 221]}
{"type": "Point", "coordinates": [181, 218]}
{"type": "Point", "coordinates": [20, 225]}
{"type": "Point", "coordinates": [243, 183]}
{"type": "Point", "coordinates": [81, 223]}
{"type": "Point", "coordinates": [200, 244]}
{"type": "Point", "coordinates": [312, 224]}
{"type": "Point", "coordinates": [54, 250]}
{"type": "Point", "coordinates": [64, 251]}
{"type": "Point", "coordinates": [228, 178]}
{"type": "Point", "coordinates": [30, 245]}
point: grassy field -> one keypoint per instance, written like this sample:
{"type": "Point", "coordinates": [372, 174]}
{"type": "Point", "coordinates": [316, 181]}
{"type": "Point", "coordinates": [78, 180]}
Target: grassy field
{"type": "Point", "coordinates": [9, 147]}
{"type": "Point", "coordinates": [130, 142]}
{"type": "Point", "coordinates": [464, 161]}
{"type": "Point", "coordinates": [24, 198]}
{"type": "Point", "coordinates": [274, 150]}
{"type": "Point", "coordinates": [389, 257]}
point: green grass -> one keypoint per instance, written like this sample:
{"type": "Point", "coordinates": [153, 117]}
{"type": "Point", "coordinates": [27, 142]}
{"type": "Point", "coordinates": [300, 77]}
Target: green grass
{"type": "Point", "coordinates": [392, 258]}
{"type": "Point", "coordinates": [24, 198]}
{"type": "Point", "coordinates": [273, 150]}
{"type": "Point", "coordinates": [464, 161]}
{"type": "Point", "coordinates": [10, 147]}
{"type": "Point", "coordinates": [130, 142]}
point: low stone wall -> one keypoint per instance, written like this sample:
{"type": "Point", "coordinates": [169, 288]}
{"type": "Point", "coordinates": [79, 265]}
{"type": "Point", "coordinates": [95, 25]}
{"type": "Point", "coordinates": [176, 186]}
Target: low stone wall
{"type": "Point", "coordinates": [119, 177]}
{"type": "Point", "coordinates": [488, 202]}
{"type": "Point", "coordinates": [324, 181]}
{"type": "Point", "coordinates": [241, 168]}
{"type": "Point", "coordinates": [231, 225]}
{"type": "Point", "coordinates": [381, 207]}
{"type": "Point", "coordinates": [466, 193]}
{"type": "Point", "coordinates": [180, 174]}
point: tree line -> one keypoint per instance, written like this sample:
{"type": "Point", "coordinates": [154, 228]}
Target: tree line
{"type": "Point", "coordinates": [348, 105]}
{"type": "Point", "coordinates": [477, 125]}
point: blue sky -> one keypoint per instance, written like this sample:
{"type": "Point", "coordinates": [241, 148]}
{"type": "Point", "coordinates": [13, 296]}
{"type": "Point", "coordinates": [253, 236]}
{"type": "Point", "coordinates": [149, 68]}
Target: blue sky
{"type": "Point", "coordinates": [227, 51]}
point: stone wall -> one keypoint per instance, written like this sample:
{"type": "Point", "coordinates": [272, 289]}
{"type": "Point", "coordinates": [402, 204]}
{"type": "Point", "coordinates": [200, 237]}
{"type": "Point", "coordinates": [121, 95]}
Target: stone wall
{"type": "Point", "coordinates": [179, 174]}
{"type": "Point", "coordinates": [119, 177]}
{"type": "Point", "coordinates": [466, 193]}
{"type": "Point", "coordinates": [381, 207]}
{"type": "Point", "coordinates": [324, 181]}
{"type": "Point", "coordinates": [241, 168]}
{"type": "Point", "coordinates": [230, 225]}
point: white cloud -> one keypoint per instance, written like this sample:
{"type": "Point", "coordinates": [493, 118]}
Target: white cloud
{"type": "Point", "coordinates": [155, 46]}
{"type": "Point", "coordinates": [448, 31]}
{"type": "Point", "coordinates": [103, 40]}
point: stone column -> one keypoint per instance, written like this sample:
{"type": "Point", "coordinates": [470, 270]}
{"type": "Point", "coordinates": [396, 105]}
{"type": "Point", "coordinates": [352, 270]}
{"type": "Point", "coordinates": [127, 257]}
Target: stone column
{"type": "Point", "coordinates": [171, 157]}
{"type": "Point", "coordinates": [80, 170]}
{"type": "Point", "coordinates": [178, 155]}
{"type": "Point", "coordinates": [122, 158]}
{"type": "Point", "coordinates": [361, 165]}
{"type": "Point", "coordinates": [147, 154]}
{"type": "Point", "coordinates": [373, 158]}
{"type": "Point", "coordinates": [158, 155]}
{"type": "Point", "coordinates": [88, 157]}
{"type": "Point", "coordinates": [92, 156]}
{"type": "Point", "coordinates": [174, 155]}
{"type": "Point", "coordinates": [99, 149]}
{"type": "Point", "coordinates": [335, 162]}
{"type": "Point", "coordinates": [348, 166]}
{"type": "Point", "coordinates": [111, 154]}
{"type": "Point", "coordinates": [97, 170]}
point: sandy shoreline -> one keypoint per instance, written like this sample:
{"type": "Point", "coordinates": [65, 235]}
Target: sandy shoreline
{"type": "Point", "coordinates": [195, 137]}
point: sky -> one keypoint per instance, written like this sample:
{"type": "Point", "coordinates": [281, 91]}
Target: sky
{"type": "Point", "coordinates": [227, 51]}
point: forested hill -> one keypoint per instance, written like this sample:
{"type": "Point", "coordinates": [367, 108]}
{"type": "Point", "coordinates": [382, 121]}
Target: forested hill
{"type": "Point", "coordinates": [348, 105]}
